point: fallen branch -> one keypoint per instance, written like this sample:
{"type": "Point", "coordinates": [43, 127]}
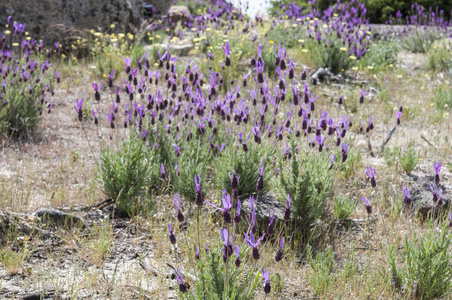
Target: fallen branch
{"type": "Point", "coordinates": [422, 137]}
{"type": "Point", "coordinates": [386, 140]}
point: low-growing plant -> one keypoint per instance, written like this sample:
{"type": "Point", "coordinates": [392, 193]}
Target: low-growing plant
{"type": "Point", "coordinates": [439, 59]}
{"type": "Point", "coordinates": [98, 244]}
{"type": "Point", "coordinates": [443, 98]}
{"type": "Point", "coordinates": [245, 164]}
{"type": "Point", "coordinates": [12, 261]}
{"type": "Point", "coordinates": [380, 55]}
{"type": "Point", "coordinates": [343, 207]}
{"type": "Point", "coordinates": [323, 266]}
{"type": "Point", "coordinates": [409, 158]}
{"type": "Point", "coordinates": [352, 164]}
{"type": "Point", "coordinates": [309, 183]}
{"type": "Point", "coordinates": [420, 41]}
{"type": "Point", "coordinates": [422, 268]}
{"type": "Point", "coordinates": [125, 173]}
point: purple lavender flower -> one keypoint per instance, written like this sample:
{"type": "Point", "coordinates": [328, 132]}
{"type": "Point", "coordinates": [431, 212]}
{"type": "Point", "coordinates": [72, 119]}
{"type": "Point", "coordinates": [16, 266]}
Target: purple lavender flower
{"type": "Point", "coordinates": [227, 52]}
{"type": "Point", "coordinates": [79, 108]}
{"type": "Point", "coordinates": [407, 199]}
{"type": "Point", "coordinates": [182, 286]}
{"type": "Point", "coordinates": [278, 256]}
{"type": "Point", "coordinates": [111, 117]}
{"type": "Point", "coordinates": [450, 219]}
{"type": "Point", "coordinates": [398, 115]}
{"type": "Point", "coordinates": [162, 171]}
{"type": "Point", "coordinates": [96, 120]}
{"type": "Point", "coordinates": [332, 160]}
{"type": "Point", "coordinates": [199, 200]}
{"type": "Point", "coordinates": [370, 125]}
{"type": "Point", "coordinates": [440, 196]}
{"type": "Point", "coordinates": [96, 91]}
{"type": "Point", "coordinates": [172, 237]}
{"type": "Point", "coordinates": [287, 211]}
{"type": "Point", "coordinates": [260, 180]}
{"type": "Point", "coordinates": [128, 61]}
{"type": "Point", "coordinates": [371, 173]}
{"type": "Point", "coordinates": [226, 200]}
{"type": "Point", "coordinates": [234, 181]}
{"type": "Point", "coordinates": [227, 249]}
{"type": "Point", "coordinates": [110, 78]}
{"type": "Point", "coordinates": [434, 190]}
{"type": "Point", "coordinates": [271, 225]}
{"type": "Point", "coordinates": [367, 203]}
{"type": "Point", "coordinates": [437, 168]}
{"type": "Point", "coordinates": [177, 149]}
{"type": "Point", "coordinates": [344, 151]}
{"type": "Point", "coordinates": [320, 141]}
{"type": "Point", "coordinates": [267, 287]}
{"type": "Point", "coordinates": [177, 204]}
{"type": "Point", "coordinates": [237, 256]}
{"type": "Point", "coordinates": [363, 94]}
{"type": "Point", "coordinates": [253, 244]}
{"type": "Point", "coordinates": [197, 252]}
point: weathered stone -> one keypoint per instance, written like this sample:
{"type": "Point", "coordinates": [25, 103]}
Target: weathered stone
{"type": "Point", "coordinates": [422, 196]}
{"type": "Point", "coordinates": [179, 13]}
{"type": "Point", "coordinates": [53, 217]}
{"type": "Point", "coordinates": [263, 205]}
{"type": "Point", "coordinates": [57, 19]}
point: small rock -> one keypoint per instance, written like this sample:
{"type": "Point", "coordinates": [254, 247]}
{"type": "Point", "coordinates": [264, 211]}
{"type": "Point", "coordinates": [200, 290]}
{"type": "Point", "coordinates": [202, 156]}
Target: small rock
{"type": "Point", "coordinates": [179, 13]}
{"type": "Point", "coordinates": [53, 217]}
{"type": "Point", "coordinates": [263, 206]}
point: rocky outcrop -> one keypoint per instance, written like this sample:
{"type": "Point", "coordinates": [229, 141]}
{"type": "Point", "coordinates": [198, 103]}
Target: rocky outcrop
{"type": "Point", "coordinates": [57, 18]}
{"type": "Point", "coordinates": [179, 13]}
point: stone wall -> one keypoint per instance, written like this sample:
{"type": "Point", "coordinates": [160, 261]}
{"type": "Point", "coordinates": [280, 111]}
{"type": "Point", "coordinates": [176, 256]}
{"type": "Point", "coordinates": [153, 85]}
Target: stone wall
{"type": "Point", "coordinates": [49, 17]}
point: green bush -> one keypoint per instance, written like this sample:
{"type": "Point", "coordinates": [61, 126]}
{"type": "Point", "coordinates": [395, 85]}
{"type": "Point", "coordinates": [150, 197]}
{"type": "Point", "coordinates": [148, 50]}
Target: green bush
{"type": "Point", "coordinates": [409, 158]}
{"type": "Point", "coordinates": [210, 281]}
{"type": "Point", "coordinates": [420, 41]}
{"type": "Point", "coordinates": [335, 58]}
{"type": "Point", "coordinates": [380, 54]}
{"type": "Point", "coordinates": [439, 59]}
{"type": "Point", "coordinates": [125, 173]}
{"type": "Point", "coordinates": [422, 269]}
{"type": "Point", "coordinates": [343, 207]}
{"type": "Point", "coordinates": [246, 165]}
{"type": "Point", "coordinates": [308, 182]}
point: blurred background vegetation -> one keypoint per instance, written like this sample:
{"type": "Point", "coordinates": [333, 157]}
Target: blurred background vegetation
{"type": "Point", "coordinates": [378, 11]}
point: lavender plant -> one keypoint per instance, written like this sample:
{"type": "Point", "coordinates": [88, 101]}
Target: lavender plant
{"type": "Point", "coordinates": [27, 86]}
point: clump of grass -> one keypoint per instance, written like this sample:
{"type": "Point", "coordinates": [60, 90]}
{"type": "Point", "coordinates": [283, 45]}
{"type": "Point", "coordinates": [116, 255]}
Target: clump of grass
{"type": "Point", "coordinates": [97, 246]}
{"type": "Point", "coordinates": [12, 260]}
{"type": "Point", "coordinates": [420, 41]}
{"type": "Point", "coordinates": [343, 207]}
{"type": "Point", "coordinates": [323, 266]}
{"type": "Point", "coordinates": [409, 158]}
{"type": "Point", "coordinates": [443, 99]}
{"type": "Point", "coordinates": [422, 269]}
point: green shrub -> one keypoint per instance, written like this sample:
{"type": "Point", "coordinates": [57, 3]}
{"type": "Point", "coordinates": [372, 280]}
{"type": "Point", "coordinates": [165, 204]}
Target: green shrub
{"type": "Point", "coordinates": [439, 59]}
{"type": "Point", "coordinates": [343, 207]}
{"type": "Point", "coordinates": [210, 279]}
{"type": "Point", "coordinates": [308, 182]}
{"type": "Point", "coordinates": [335, 58]}
{"type": "Point", "coordinates": [125, 173]}
{"type": "Point", "coordinates": [380, 55]}
{"type": "Point", "coordinates": [422, 269]}
{"type": "Point", "coordinates": [323, 266]}
{"type": "Point", "coordinates": [409, 158]}
{"type": "Point", "coordinates": [246, 165]}
{"type": "Point", "coordinates": [420, 41]}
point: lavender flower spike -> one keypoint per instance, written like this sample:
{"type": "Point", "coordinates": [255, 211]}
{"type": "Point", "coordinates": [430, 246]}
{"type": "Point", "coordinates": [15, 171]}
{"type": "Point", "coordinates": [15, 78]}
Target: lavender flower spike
{"type": "Point", "coordinates": [287, 211]}
{"type": "Point", "coordinates": [237, 217]}
{"type": "Point", "coordinates": [171, 234]}
{"type": "Point", "coordinates": [79, 108]}
{"type": "Point", "coordinates": [407, 199]}
{"type": "Point", "coordinates": [253, 244]}
{"type": "Point", "coordinates": [371, 173]}
{"type": "Point", "coordinates": [434, 190]}
{"type": "Point", "coordinates": [271, 225]}
{"type": "Point", "coordinates": [278, 256]}
{"type": "Point", "coordinates": [226, 207]}
{"type": "Point", "coordinates": [182, 285]}
{"type": "Point", "coordinates": [237, 256]}
{"type": "Point", "coordinates": [180, 216]}
{"type": "Point", "coordinates": [437, 167]}
{"type": "Point", "coordinates": [260, 180]}
{"type": "Point", "coordinates": [267, 287]}
{"type": "Point", "coordinates": [199, 200]}
{"type": "Point", "coordinates": [367, 203]}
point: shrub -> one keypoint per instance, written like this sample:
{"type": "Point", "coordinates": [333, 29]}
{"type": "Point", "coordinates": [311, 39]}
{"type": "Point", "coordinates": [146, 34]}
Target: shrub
{"type": "Point", "coordinates": [439, 59]}
{"type": "Point", "coordinates": [26, 83]}
{"type": "Point", "coordinates": [409, 158]}
{"type": "Point", "coordinates": [343, 207]}
{"type": "Point", "coordinates": [420, 41]}
{"type": "Point", "coordinates": [309, 183]}
{"type": "Point", "coordinates": [211, 278]}
{"type": "Point", "coordinates": [334, 58]}
{"type": "Point", "coordinates": [381, 54]}
{"type": "Point", "coordinates": [246, 165]}
{"type": "Point", "coordinates": [423, 266]}
{"type": "Point", "coordinates": [124, 174]}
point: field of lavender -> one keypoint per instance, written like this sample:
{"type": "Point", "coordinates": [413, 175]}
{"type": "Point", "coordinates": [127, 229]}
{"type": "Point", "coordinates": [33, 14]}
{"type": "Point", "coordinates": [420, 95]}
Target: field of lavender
{"type": "Point", "coordinates": [302, 155]}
